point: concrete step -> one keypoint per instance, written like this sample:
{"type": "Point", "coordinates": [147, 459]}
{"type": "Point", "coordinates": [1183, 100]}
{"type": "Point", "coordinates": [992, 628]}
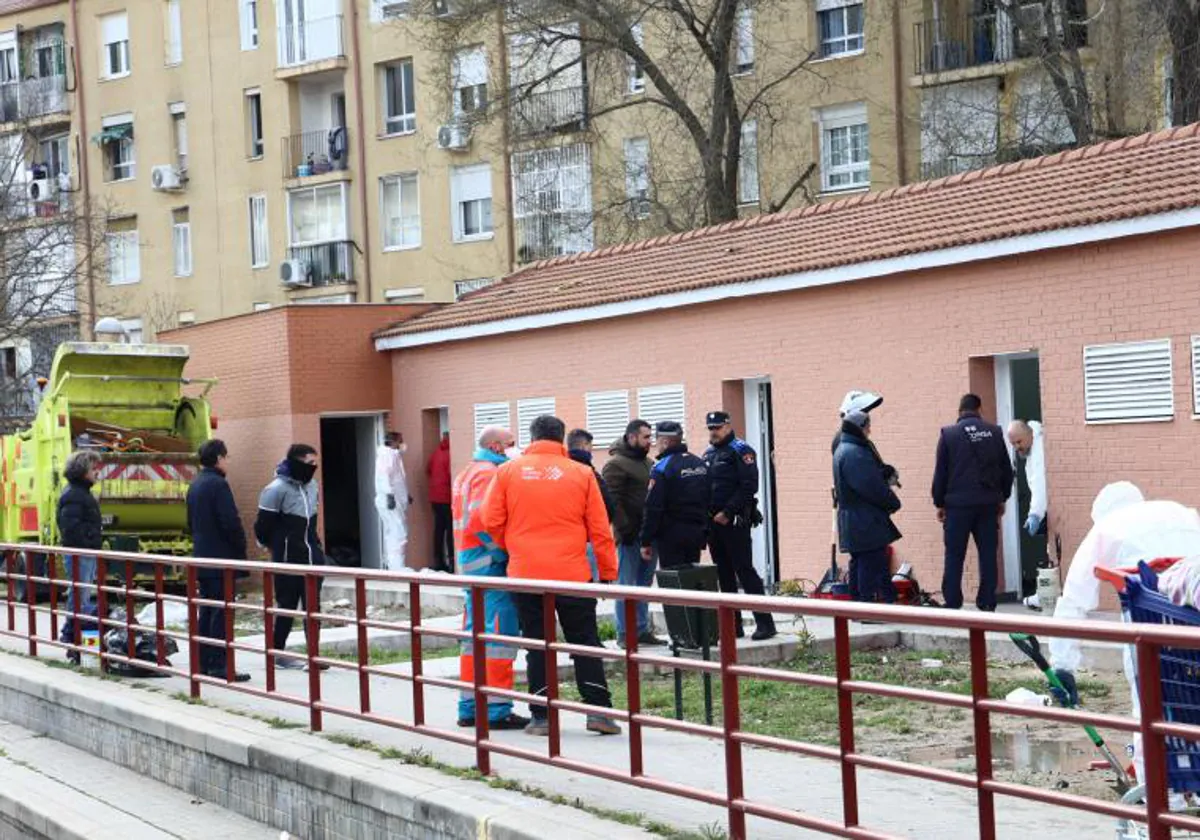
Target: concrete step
{"type": "Point", "coordinates": [54, 791]}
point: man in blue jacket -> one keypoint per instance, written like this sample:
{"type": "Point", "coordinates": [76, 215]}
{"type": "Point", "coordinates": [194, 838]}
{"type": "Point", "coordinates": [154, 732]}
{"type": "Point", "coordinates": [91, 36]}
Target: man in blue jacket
{"type": "Point", "coordinates": [971, 484]}
{"type": "Point", "coordinates": [217, 533]}
{"type": "Point", "coordinates": [676, 512]}
{"type": "Point", "coordinates": [866, 503]}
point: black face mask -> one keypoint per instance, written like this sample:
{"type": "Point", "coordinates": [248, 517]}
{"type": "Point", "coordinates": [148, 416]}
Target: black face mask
{"type": "Point", "coordinates": [301, 471]}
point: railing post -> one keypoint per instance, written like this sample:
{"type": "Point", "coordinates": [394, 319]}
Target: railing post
{"type": "Point", "coordinates": [130, 642]}
{"type": "Point", "coordinates": [633, 693]}
{"type": "Point", "coordinates": [10, 560]}
{"type": "Point", "coordinates": [31, 606]}
{"type": "Point", "coordinates": [101, 609]}
{"type": "Point", "coordinates": [312, 639]}
{"type": "Point", "coordinates": [418, 686]}
{"type": "Point", "coordinates": [727, 618]}
{"type": "Point", "coordinates": [550, 638]}
{"type": "Point", "coordinates": [269, 627]}
{"type": "Point", "coordinates": [364, 648]}
{"type": "Point", "coordinates": [841, 646]}
{"type": "Point", "coordinates": [483, 761]}
{"type": "Point", "coordinates": [74, 604]}
{"type": "Point", "coordinates": [52, 575]}
{"type": "Point", "coordinates": [192, 630]}
{"type": "Point", "coordinates": [160, 643]}
{"type": "Point", "coordinates": [227, 591]}
{"type": "Point", "coordinates": [983, 735]}
{"type": "Point", "coordinates": [1154, 753]}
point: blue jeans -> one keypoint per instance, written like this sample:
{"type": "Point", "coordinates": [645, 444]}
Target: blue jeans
{"type": "Point", "coordinates": [982, 523]}
{"type": "Point", "coordinates": [80, 596]}
{"type": "Point", "coordinates": [874, 576]}
{"type": "Point", "coordinates": [634, 571]}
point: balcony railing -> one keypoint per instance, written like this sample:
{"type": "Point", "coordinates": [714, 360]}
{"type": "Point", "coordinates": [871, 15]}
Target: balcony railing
{"type": "Point", "coordinates": [542, 112]}
{"type": "Point", "coordinates": [956, 43]}
{"type": "Point", "coordinates": [33, 98]}
{"type": "Point", "coordinates": [955, 165]}
{"type": "Point", "coordinates": [307, 41]}
{"type": "Point", "coordinates": [316, 152]}
{"type": "Point", "coordinates": [544, 235]}
{"type": "Point", "coordinates": [329, 263]}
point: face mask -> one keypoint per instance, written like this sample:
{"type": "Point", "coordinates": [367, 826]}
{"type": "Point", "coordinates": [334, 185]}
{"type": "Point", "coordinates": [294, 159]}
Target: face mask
{"type": "Point", "coordinates": [512, 452]}
{"type": "Point", "coordinates": [302, 472]}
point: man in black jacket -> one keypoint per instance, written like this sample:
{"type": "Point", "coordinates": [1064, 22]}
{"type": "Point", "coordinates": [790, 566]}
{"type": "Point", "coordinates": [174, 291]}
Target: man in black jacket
{"type": "Point", "coordinates": [79, 526]}
{"type": "Point", "coordinates": [676, 516]}
{"type": "Point", "coordinates": [217, 533]}
{"type": "Point", "coordinates": [971, 484]}
{"type": "Point", "coordinates": [627, 473]}
{"type": "Point", "coordinates": [287, 525]}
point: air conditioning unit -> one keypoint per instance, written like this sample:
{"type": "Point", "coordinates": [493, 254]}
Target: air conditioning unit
{"type": "Point", "coordinates": [391, 9]}
{"type": "Point", "coordinates": [454, 137]}
{"type": "Point", "coordinates": [166, 178]}
{"type": "Point", "coordinates": [40, 189]}
{"type": "Point", "coordinates": [295, 274]}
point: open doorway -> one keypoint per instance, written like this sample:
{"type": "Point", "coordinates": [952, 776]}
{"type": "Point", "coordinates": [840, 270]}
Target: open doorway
{"type": "Point", "coordinates": [1019, 397]}
{"type": "Point", "coordinates": [352, 530]}
{"type": "Point", "coordinates": [760, 434]}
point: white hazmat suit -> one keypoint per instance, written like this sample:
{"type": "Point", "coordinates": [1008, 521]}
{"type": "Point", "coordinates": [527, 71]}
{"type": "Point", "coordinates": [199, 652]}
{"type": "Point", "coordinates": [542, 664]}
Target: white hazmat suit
{"type": "Point", "coordinates": [1126, 529]}
{"type": "Point", "coordinates": [391, 500]}
{"type": "Point", "coordinates": [1035, 473]}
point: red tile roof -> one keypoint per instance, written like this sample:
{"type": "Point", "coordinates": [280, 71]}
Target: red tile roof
{"type": "Point", "coordinates": [8, 7]}
{"type": "Point", "coordinates": [1137, 176]}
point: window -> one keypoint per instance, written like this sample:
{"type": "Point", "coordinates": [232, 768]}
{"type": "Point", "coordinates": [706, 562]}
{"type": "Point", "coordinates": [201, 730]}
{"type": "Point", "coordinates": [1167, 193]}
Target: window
{"type": "Point", "coordinates": [607, 414]}
{"type": "Point", "coordinates": [116, 139]}
{"type": "Point", "coordinates": [528, 411]}
{"type": "Point", "coordinates": [662, 402]}
{"type": "Point", "coordinates": [55, 153]}
{"type": "Point", "coordinates": [1168, 91]}
{"type": "Point", "coordinates": [173, 31]}
{"type": "Point", "coordinates": [317, 214]}
{"type": "Point", "coordinates": [471, 201]}
{"type": "Point", "coordinates": [181, 240]}
{"type": "Point", "coordinates": [254, 124]}
{"type": "Point", "coordinates": [491, 414]}
{"type": "Point", "coordinates": [637, 76]}
{"type": "Point", "coordinates": [845, 153]}
{"type": "Point", "coordinates": [470, 74]}
{"type": "Point", "coordinates": [1196, 376]}
{"type": "Point", "coordinates": [1128, 383]}
{"type": "Point", "coordinates": [248, 16]}
{"type": "Point", "coordinates": [841, 27]}
{"type": "Point", "coordinates": [400, 211]}
{"type": "Point", "coordinates": [179, 132]}
{"type": "Point", "coordinates": [260, 250]}
{"type": "Point", "coordinates": [133, 330]}
{"type": "Point", "coordinates": [465, 287]}
{"type": "Point", "coordinates": [552, 201]}
{"type": "Point", "coordinates": [748, 164]}
{"type": "Point", "coordinates": [114, 57]}
{"type": "Point", "coordinates": [399, 98]}
{"type": "Point", "coordinates": [637, 176]}
{"type": "Point", "coordinates": [382, 10]}
{"type": "Point", "coordinates": [745, 40]}
{"type": "Point", "coordinates": [8, 66]}
{"type": "Point", "coordinates": [124, 258]}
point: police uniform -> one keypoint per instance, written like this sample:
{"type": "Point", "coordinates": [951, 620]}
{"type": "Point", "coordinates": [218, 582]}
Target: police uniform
{"type": "Point", "coordinates": [733, 473]}
{"type": "Point", "coordinates": [676, 512]}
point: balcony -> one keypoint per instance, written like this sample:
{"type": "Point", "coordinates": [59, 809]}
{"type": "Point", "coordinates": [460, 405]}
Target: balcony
{"type": "Point", "coordinates": [314, 153]}
{"type": "Point", "coordinates": [33, 99]}
{"type": "Point", "coordinates": [311, 46]}
{"type": "Point", "coordinates": [329, 263]}
{"type": "Point", "coordinates": [955, 165]}
{"type": "Point", "coordinates": [549, 111]}
{"type": "Point", "coordinates": [542, 236]}
{"type": "Point", "coordinates": [960, 43]}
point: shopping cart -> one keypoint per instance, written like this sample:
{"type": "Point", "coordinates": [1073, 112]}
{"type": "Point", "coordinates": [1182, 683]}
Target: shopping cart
{"type": "Point", "coordinates": [1180, 673]}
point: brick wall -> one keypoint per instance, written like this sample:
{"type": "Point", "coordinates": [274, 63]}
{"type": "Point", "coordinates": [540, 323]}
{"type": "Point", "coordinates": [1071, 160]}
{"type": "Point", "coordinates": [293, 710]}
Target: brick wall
{"type": "Point", "coordinates": [911, 337]}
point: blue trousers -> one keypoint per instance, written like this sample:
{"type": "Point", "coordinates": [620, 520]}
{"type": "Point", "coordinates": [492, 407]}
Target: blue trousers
{"type": "Point", "coordinates": [874, 576]}
{"type": "Point", "coordinates": [963, 523]}
{"type": "Point", "coordinates": [632, 570]}
{"type": "Point", "coordinates": [500, 616]}
{"type": "Point", "coordinates": [78, 596]}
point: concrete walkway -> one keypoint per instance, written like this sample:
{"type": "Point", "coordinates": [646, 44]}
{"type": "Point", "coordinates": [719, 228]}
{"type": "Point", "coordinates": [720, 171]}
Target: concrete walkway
{"type": "Point", "coordinates": [903, 807]}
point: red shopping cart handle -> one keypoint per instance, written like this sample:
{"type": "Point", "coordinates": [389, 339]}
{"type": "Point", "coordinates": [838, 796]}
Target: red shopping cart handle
{"type": "Point", "coordinates": [1118, 575]}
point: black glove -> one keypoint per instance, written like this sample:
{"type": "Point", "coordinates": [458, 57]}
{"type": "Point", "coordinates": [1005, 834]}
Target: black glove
{"type": "Point", "coordinates": [391, 502]}
{"type": "Point", "coordinates": [891, 476]}
{"type": "Point", "coordinates": [1070, 697]}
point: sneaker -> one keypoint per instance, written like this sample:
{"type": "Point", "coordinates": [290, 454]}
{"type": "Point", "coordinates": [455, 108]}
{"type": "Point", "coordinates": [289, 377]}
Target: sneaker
{"type": "Point", "coordinates": [289, 664]}
{"type": "Point", "coordinates": [238, 676]}
{"type": "Point", "coordinates": [538, 727]}
{"type": "Point", "coordinates": [741, 632]}
{"type": "Point", "coordinates": [320, 667]}
{"type": "Point", "coordinates": [513, 721]}
{"type": "Point", "coordinates": [764, 633]}
{"type": "Point", "coordinates": [602, 725]}
{"type": "Point", "coordinates": [648, 639]}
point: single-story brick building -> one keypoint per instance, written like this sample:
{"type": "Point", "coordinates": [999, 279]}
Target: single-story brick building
{"type": "Point", "coordinates": [1065, 289]}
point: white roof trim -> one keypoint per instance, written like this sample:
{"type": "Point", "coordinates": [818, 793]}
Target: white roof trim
{"type": "Point", "coordinates": [1047, 240]}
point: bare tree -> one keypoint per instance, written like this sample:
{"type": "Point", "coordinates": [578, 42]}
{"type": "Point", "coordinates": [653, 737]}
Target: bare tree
{"type": "Point", "coordinates": [51, 241]}
{"type": "Point", "coordinates": [1181, 19]}
{"type": "Point", "coordinates": [677, 71]}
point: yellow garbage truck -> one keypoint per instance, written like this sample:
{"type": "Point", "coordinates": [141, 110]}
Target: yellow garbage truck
{"type": "Point", "coordinates": [128, 403]}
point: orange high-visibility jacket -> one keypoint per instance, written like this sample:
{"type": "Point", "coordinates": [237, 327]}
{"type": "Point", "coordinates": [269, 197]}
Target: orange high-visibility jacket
{"type": "Point", "coordinates": [544, 509]}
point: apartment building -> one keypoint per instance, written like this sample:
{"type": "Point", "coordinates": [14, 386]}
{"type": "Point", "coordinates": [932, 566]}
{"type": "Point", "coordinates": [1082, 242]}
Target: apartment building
{"type": "Point", "coordinates": [249, 154]}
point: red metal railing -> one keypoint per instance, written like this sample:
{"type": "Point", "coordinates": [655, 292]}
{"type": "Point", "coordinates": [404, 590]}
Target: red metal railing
{"type": "Point", "coordinates": [117, 572]}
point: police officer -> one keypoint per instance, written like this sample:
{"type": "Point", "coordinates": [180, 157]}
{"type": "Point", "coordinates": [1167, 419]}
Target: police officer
{"type": "Point", "coordinates": [676, 512]}
{"type": "Point", "coordinates": [733, 472]}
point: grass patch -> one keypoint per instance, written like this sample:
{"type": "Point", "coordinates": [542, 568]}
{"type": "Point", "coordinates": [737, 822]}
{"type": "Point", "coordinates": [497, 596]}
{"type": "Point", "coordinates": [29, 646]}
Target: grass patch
{"type": "Point", "coordinates": [389, 656]}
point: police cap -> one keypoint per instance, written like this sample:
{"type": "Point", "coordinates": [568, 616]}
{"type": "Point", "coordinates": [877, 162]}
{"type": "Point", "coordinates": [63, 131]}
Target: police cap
{"type": "Point", "coordinates": [669, 428]}
{"type": "Point", "coordinates": [716, 419]}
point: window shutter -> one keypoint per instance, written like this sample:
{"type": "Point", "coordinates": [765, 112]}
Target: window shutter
{"type": "Point", "coordinates": [114, 28]}
{"type": "Point", "coordinates": [607, 415]}
{"type": "Point", "coordinates": [662, 402]}
{"type": "Point", "coordinates": [491, 414]}
{"type": "Point", "coordinates": [527, 412]}
{"type": "Point", "coordinates": [1130, 382]}
{"type": "Point", "coordinates": [1196, 375]}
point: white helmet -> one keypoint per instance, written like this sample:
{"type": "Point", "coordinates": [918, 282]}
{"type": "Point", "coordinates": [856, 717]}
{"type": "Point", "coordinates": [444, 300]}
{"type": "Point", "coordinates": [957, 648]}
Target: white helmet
{"type": "Point", "coordinates": [863, 401]}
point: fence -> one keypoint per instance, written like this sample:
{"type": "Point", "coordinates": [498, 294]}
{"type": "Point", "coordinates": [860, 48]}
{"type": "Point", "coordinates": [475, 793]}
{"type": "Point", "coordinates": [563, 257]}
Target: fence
{"type": "Point", "coordinates": [329, 263]}
{"type": "Point", "coordinates": [117, 571]}
{"type": "Point", "coordinates": [315, 152]}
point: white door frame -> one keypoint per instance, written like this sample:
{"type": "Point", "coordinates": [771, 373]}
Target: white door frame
{"type": "Point", "coordinates": [756, 434]}
{"type": "Point", "coordinates": [1009, 524]}
{"type": "Point", "coordinates": [366, 500]}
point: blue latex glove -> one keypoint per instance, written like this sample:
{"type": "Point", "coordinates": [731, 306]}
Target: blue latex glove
{"type": "Point", "coordinates": [1069, 698]}
{"type": "Point", "coordinates": [1033, 524]}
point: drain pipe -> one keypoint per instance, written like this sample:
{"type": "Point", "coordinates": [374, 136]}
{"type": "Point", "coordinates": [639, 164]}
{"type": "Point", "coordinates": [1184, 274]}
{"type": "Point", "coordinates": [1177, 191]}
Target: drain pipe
{"type": "Point", "coordinates": [361, 146]}
{"type": "Point", "coordinates": [898, 93]}
{"type": "Point", "coordinates": [84, 180]}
